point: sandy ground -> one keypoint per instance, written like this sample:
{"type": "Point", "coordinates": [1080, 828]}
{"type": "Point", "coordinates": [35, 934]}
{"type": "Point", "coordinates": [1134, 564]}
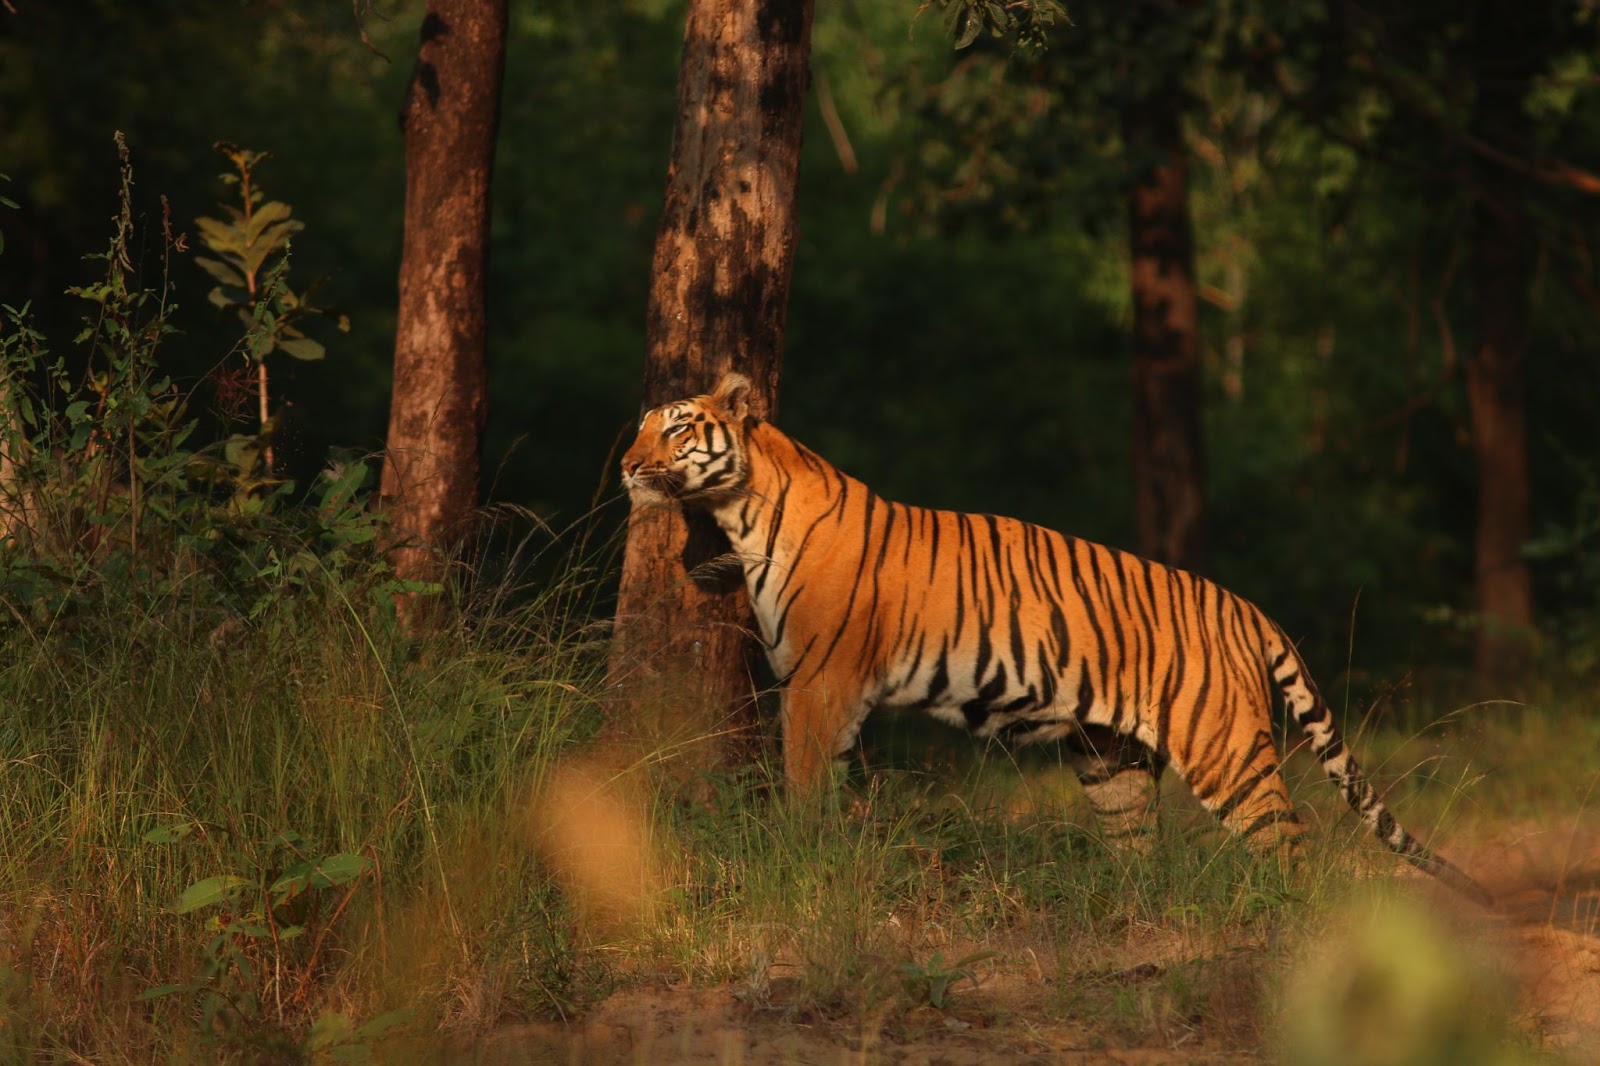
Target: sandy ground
{"type": "Point", "coordinates": [1544, 934]}
{"type": "Point", "coordinates": [1546, 880]}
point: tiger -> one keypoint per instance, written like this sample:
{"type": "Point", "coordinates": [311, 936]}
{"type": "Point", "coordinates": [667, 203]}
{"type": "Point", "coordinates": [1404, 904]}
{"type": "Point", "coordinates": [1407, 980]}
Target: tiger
{"type": "Point", "coordinates": [1008, 629]}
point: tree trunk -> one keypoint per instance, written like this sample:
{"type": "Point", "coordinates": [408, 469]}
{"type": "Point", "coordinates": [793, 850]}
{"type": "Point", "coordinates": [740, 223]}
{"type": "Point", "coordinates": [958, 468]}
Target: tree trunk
{"type": "Point", "coordinates": [1502, 267]}
{"type": "Point", "coordinates": [683, 645]}
{"type": "Point", "coordinates": [1495, 394]}
{"type": "Point", "coordinates": [436, 419]}
{"type": "Point", "coordinates": [13, 442]}
{"type": "Point", "coordinates": [1169, 470]}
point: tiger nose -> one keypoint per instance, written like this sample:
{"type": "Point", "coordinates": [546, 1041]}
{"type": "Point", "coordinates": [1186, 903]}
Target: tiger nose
{"type": "Point", "coordinates": [630, 465]}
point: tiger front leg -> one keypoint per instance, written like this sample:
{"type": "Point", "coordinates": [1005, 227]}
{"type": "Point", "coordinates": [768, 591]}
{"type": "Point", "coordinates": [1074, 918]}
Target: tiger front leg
{"type": "Point", "coordinates": [819, 728]}
{"type": "Point", "coordinates": [1121, 779]}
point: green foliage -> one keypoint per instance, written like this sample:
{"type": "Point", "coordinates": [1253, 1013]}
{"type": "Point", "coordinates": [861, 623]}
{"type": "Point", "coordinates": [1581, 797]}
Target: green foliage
{"type": "Point", "coordinates": [1029, 22]}
{"type": "Point", "coordinates": [136, 562]}
{"type": "Point", "coordinates": [251, 268]}
{"type": "Point", "coordinates": [267, 844]}
{"type": "Point", "coordinates": [275, 920]}
{"type": "Point", "coordinates": [933, 982]}
{"type": "Point", "coordinates": [106, 487]}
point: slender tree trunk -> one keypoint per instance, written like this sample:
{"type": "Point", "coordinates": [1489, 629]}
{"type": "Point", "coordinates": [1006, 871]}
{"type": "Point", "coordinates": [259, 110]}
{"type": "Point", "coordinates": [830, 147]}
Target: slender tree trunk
{"type": "Point", "coordinates": [1502, 267]}
{"type": "Point", "coordinates": [430, 474]}
{"type": "Point", "coordinates": [1169, 469]}
{"type": "Point", "coordinates": [683, 644]}
{"type": "Point", "coordinates": [1496, 396]}
{"type": "Point", "coordinates": [13, 498]}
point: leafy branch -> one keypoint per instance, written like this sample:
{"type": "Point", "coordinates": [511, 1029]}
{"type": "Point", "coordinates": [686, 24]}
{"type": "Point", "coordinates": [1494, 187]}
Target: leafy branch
{"type": "Point", "coordinates": [1028, 21]}
{"type": "Point", "coordinates": [251, 268]}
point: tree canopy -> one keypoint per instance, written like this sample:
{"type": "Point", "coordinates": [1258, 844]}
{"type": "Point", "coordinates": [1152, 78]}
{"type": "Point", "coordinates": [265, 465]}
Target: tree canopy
{"type": "Point", "coordinates": [958, 324]}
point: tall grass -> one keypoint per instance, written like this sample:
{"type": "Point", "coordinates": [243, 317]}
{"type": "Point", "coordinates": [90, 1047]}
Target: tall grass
{"type": "Point", "coordinates": [145, 751]}
{"type": "Point", "coordinates": [148, 751]}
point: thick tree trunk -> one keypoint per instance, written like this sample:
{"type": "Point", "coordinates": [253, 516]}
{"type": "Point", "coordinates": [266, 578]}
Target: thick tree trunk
{"type": "Point", "coordinates": [430, 474]}
{"type": "Point", "coordinates": [1169, 470]}
{"type": "Point", "coordinates": [683, 644]}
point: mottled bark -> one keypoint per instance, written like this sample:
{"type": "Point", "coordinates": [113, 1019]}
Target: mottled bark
{"type": "Point", "coordinates": [1169, 470]}
{"type": "Point", "coordinates": [436, 419]}
{"type": "Point", "coordinates": [13, 497]}
{"type": "Point", "coordinates": [683, 646]}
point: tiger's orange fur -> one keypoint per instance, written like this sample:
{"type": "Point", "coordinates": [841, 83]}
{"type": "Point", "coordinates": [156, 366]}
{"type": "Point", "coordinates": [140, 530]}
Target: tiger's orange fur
{"type": "Point", "coordinates": [1007, 628]}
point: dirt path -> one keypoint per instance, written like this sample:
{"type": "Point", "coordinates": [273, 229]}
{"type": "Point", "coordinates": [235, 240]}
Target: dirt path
{"type": "Point", "coordinates": [1544, 937]}
{"type": "Point", "coordinates": [1546, 880]}
{"type": "Point", "coordinates": [711, 1026]}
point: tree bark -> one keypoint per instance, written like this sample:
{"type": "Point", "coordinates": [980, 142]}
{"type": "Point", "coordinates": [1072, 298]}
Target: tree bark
{"type": "Point", "coordinates": [1502, 266]}
{"type": "Point", "coordinates": [1169, 468]}
{"type": "Point", "coordinates": [1496, 397]}
{"type": "Point", "coordinates": [683, 644]}
{"type": "Point", "coordinates": [436, 417]}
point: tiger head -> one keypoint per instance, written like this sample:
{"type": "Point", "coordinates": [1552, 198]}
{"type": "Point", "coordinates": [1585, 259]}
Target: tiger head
{"type": "Point", "coordinates": [691, 450]}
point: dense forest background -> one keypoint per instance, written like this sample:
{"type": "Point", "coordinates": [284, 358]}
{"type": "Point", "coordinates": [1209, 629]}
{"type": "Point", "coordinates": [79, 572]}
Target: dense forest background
{"type": "Point", "coordinates": [959, 318]}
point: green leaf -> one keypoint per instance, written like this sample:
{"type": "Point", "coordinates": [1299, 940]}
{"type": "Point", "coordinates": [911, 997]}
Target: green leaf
{"type": "Point", "coordinates": [161, 990]}
{"type": "Point", "coordinates": [290, 884]}
{"type": "Point", "coordinates": [169, 834]}
{"type": "Point", "coordinates": [272, 241]}
{"type": "Point", "coordinates": [968, 26]}
{"type": "Point", "coordinates": [212, 890]}
{"type": "Point", "coordinates": [226, 296]}
{"type": "Point", "coordinates": [383, 1023]}
{"type": "Point", "coordinates": [303, 348]}
{"type": "Point", "coordinates": [342, 868]}
{"type": "Point", "coordinates": [264, 216]}
{"type": "Point", "coordinates": [226, 273]}
{"type": "Point", "coordinates": [276, 237]}
{"type": "Point", "coordinates": [326, 872]}
{"type": "Point", "coordinates": [344, 481]}
{"type": "Point", "coordinates": [221, 236]}
{"type": "Point", "coordinates": [287, 838]}
{"type": "Point", "coordinates": [328, 1030]}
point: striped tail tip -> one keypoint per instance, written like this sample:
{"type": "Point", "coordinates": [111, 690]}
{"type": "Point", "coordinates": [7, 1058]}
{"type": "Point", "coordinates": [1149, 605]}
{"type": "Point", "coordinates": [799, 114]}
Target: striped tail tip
{"type": "Point", "coordinates": [1451, 875]}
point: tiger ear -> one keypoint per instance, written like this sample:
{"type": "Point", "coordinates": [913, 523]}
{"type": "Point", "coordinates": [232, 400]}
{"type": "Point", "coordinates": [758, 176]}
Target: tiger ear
{"type": "Point", "coordinates": [732, 397]}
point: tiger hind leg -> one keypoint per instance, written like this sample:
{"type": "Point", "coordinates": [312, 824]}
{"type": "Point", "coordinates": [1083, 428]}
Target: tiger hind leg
{"type": "Point", "coordinates": [1244, 788]}
{"type": "Point", "coordinates": [1121, 779]}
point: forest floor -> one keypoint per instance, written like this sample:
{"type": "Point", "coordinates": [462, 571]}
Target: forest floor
{"type": "Point", "coordinates": [1542, 941]}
